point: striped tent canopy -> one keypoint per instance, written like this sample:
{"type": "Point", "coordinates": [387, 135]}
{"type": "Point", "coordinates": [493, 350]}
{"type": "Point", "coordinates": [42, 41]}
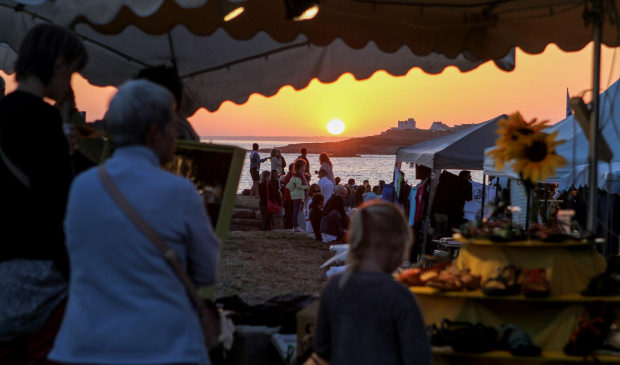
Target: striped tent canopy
{"type": "Point", "coordinates": [215, 63]}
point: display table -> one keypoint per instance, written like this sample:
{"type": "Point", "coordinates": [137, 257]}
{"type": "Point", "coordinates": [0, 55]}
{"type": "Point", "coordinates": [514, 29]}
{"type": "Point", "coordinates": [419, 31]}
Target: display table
{"type": "Point", "coordinates": [549, 321]}
{"type": "Point", "coordinates": [504, 357]}
{"type": "Point", "coordinates": [569, 266]}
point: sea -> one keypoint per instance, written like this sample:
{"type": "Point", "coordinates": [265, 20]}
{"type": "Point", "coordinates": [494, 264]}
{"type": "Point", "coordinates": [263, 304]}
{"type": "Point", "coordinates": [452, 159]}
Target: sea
{"type": "Point", "coordinates": [366, 167]}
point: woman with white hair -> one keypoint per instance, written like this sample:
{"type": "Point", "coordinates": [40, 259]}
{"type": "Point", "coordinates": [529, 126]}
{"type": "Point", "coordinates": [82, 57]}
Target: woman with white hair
{"type": "Point", "coordinates": [126, 305]}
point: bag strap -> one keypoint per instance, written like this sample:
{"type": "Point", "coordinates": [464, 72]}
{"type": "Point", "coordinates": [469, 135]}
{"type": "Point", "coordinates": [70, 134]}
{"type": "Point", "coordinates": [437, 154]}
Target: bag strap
{"type": "Point", "coordinates": [16, 171]}
{"type": "Point", "coordinates": [170, 255]}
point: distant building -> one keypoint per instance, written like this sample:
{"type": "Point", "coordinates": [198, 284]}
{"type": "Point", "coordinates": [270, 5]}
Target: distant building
{"type": "Point", "coordinates": [407, 124]}
{"type": "Point", "coordinates": [439, 127]}
{"type": "Point", "coordinates": [403, 125]}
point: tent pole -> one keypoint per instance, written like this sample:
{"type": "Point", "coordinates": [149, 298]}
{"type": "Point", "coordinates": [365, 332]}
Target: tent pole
{"type": "Point", "coordinates": [484, 183]}
{"type": "Point", "coordinates": [546, 207]}
{"type": "Point", "coordinates": [597, 30]}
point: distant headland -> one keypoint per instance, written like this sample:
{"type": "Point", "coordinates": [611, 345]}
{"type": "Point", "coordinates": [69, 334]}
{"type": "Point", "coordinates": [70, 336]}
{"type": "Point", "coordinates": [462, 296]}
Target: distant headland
{"type": "Point", "coordinates": [386, 143]}
{"type": "Point", "coordinates": [276, 138]}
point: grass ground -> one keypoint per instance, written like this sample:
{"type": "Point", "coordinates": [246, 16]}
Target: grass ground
{"type": "Point", "coordinates": [260, 265]}
{"type": "Point", "coordinates": [247, 202]}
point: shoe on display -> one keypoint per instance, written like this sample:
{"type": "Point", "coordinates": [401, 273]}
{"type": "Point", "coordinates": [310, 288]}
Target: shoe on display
{"type": "Point", "coordinates": [603, 285]}
{"type": "Point", "coordinates": [611, 345]}
{"type": "Point", "coordinates": [607, 283]}
{"type": "Point", "coordinates": [464, 336]}
{"type": "Point", "coordinates": [517, 342]}
{"type": "Point", "coordinates": [452, 279]}
{"type": "Point", "coordinates": [505, 283]}
{"type": "Point", "coordinates": [592, 331]}
{"type": "Point", "coordinates": [534, 283]}
{"type": "Point", "coordinates": [418, 276]}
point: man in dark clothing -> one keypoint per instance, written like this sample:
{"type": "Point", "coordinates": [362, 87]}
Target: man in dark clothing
{"type": "Point", "coordinates": [464, 193]}
{"type": "Point", "coordinates": [286, 197]}
{"type": "Point", "coordinates": [316, 215]}
{"type": "Point", "coordinates": [306, 172]}
{"type": "Point", "coordinates": [255, 162]}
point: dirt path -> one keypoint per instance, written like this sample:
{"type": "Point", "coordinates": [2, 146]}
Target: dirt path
{"type": "Point", "coordinates": [260, 265]}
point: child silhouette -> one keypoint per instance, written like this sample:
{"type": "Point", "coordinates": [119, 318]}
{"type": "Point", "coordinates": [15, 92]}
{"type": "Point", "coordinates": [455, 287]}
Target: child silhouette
{"type": "Point", "coordinates": [365, 316]}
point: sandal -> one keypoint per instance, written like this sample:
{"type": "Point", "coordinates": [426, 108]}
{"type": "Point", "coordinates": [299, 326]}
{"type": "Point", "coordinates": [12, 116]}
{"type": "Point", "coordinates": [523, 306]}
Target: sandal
{"type": "Point", "coordinates": [445, 334]}
{"type": "Point", "coordinates": [447, 280]}
{"type": "Point", "coordinates": [607, 283]}
{"type": "Point", "coordinates": [452, 279]}
{"type": "Point", "coordinates": [603, 285]}
{"type": "Point", "coordinates": [479, 338]}
{"type": "Point", "coordinates": [517, 342]}
{"type": "Point", "coordinates": [594, 326]}
{"type": "Point", "coordinates": [419, 276]}
{"type": "Point", "coordinates": [470, 281]}
{"type": "Point", "coordinates": [505, 283]}
{"type": "Point", "coordinates": [464, 336]}
{"type": "Point", "coordinates": [534, 283]}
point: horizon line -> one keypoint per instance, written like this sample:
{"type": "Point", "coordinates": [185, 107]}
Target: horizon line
{"type": "Point", "coordinates": [288, 137]}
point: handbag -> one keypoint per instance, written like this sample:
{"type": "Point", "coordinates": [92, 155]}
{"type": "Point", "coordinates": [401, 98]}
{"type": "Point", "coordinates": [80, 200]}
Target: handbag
{"type": "Point", "coordinates": [207, 311]}
{"type": "Point", "coordinates": [272, 208]}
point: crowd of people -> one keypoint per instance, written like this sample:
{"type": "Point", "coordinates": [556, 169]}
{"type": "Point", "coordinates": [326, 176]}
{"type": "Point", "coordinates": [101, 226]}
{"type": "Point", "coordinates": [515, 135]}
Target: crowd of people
{"type": "Point", "coordinates": [87, 256]}
{"type": "Point", "coordinates": [291, 201]}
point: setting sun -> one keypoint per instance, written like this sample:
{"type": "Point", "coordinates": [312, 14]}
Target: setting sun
{"type": "Point", "coordinates": [335, 126]}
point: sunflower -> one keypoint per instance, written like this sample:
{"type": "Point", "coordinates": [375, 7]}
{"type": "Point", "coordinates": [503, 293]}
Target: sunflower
{"type": "Point", "coordinates": [510, 130]}
{"type": "Point", "coordinates": [500, 156]}
{"type": "Point", "coordinates": [535, 158]}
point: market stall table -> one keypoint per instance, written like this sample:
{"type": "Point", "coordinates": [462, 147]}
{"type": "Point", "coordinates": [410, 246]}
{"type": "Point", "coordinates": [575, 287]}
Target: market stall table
{"type": "Point", "coordinates": [549, 321]}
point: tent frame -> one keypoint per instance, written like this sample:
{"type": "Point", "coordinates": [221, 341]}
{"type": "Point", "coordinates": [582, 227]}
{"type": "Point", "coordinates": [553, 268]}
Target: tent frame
{"type": "Point", "coordinates": [597, 30]}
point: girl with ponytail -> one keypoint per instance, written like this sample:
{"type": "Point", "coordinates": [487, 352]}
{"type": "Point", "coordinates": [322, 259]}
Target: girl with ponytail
{"type": "Point", "coordinates": [365, 316]}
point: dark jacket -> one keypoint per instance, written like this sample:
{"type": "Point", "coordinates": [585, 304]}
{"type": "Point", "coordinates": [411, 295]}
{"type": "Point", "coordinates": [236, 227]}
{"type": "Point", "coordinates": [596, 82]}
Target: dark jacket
{"type": "Point", "coordinates": [32, 138]}
{"type": "Point", "coordinates": [316, 215]}
{"type": "Point", "coordinates": [274, 194]}
{"type": "Point", "coordinates": [332, 223]}
{"type": "Point", "coordinates": [286, 194]}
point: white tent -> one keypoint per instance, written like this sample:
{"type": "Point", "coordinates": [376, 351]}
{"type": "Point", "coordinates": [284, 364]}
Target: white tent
{"type": "Point", "coordinates": [575, 149]}
{"type": "Point", "coordinates": [463, 149]}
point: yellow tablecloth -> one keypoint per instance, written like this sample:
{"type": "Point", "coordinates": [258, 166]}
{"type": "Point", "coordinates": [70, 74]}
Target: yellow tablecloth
{"type": "Point", "coordinates": [549, 323]}
{"type": "Point", "coordinates": [569, 269]}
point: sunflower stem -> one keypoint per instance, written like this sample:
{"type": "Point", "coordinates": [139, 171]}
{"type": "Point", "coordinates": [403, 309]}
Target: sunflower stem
{"type": "Point", "coordinates": [528, 192]}
{"type": "Point", "coordinates": [528, 196]}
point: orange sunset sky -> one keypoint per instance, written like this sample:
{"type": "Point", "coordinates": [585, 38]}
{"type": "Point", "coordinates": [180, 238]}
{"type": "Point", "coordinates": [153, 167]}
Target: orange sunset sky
{"type": "Point", "coordinates": [537, 88]}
